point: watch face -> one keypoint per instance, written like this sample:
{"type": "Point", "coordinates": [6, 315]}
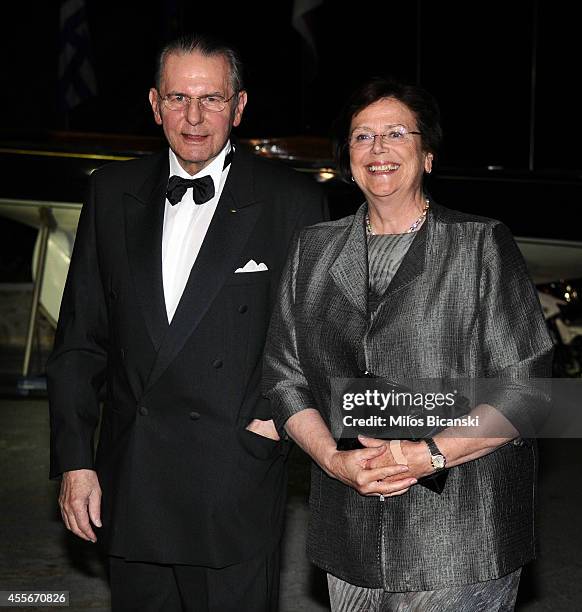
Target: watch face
{"type": "Point", "coordinates": [438, 462]}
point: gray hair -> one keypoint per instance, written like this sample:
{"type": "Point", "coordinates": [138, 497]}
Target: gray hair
{"type": "Point", "coordinates": [205, 45]}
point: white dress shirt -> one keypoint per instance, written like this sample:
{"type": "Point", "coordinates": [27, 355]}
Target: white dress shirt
{"type": "Point", "coordinates": [185, 226]}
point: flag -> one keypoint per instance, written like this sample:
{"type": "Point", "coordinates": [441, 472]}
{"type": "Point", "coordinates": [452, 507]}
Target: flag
{"type": "Point", "coordinates": [301, 22]}
{"type": "Point", "coordinates": [76, 73]}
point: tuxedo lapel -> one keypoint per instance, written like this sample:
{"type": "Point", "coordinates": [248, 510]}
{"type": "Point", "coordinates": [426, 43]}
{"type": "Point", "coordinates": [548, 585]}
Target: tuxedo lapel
{"type": "Point", "coordinates": [232, 223]}
{"type": "Point", "coordinates": [350, 269]}
{"type": "Point", "coordinates": [144, 219]}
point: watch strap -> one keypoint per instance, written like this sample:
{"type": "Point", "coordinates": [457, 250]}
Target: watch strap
{"type": "Point", "coordinates": [432, 447]}
{"type": "Point", "coordinates": [436, 481]}
{"type": "Point", "coordinates": [437, 459]}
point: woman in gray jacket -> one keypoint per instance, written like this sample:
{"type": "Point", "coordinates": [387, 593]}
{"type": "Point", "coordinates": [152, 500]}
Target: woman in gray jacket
{"type": "Point", "coordinates": [406, 288]}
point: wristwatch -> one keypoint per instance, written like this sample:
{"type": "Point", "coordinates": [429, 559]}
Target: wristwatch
{"type": "Point", "coordinates": [437, 459]}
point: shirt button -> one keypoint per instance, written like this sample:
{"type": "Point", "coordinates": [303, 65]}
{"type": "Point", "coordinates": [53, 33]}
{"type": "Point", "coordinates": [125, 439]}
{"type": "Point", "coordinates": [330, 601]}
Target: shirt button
{"type": "Point", "coordinates": [194, 415]}
{"type": "Point", "coordinates": [243, 308]}
{"type": "Point", "coordinates": [143, 410]}
{"type": "Point", "coordinates": [217, 363]}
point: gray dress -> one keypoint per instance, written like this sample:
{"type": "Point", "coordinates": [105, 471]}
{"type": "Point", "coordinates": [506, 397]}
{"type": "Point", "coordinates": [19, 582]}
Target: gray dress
{"type": "Point", "coordinates": [385, 252]}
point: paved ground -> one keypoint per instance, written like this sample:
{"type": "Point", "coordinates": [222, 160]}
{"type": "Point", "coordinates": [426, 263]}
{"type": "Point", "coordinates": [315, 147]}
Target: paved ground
{"type": "Point", "coordinates": [37, 553]}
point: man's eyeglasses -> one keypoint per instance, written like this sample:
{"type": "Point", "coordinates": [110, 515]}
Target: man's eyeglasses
{"type": "Point", "coordinates": [395, 135]}
{"type": "Point", "coordinates": [180, 102]}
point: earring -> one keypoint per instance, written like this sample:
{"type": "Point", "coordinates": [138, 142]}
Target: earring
{"type": "Point", "coordinates": [353, 181]}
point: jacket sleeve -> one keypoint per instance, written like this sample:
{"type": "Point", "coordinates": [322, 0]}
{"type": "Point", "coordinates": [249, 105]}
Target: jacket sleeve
{"type": "Point", "coordinates": [77, 365]}
{"type": "Point", "coordinates": [513, 338]}
{"type": "Point", "coordinates": [284, 382]}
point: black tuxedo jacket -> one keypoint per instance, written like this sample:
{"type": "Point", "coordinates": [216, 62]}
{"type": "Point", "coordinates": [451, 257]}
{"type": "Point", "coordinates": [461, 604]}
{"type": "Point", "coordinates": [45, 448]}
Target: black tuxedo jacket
{"type": "Point", "coordinates": [182, 480]}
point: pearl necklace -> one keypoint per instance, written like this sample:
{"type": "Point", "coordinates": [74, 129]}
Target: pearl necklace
{"type": "Point", "coordinates": [411, 229]}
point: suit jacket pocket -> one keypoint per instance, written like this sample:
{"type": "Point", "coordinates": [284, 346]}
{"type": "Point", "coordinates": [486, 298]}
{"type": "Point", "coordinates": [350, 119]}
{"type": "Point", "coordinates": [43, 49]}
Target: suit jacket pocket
{"type": "Point", "coordinates": [249, 278]}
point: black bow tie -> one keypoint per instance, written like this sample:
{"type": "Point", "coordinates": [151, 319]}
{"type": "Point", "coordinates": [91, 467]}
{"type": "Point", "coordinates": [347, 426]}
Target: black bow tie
{"type": "Point", "coordinates": [202, 188]}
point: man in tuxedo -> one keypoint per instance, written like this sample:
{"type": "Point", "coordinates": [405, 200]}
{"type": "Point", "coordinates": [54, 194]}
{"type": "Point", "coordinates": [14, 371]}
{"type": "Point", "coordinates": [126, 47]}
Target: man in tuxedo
{"type": "Point", "coordinates": [172, 279]}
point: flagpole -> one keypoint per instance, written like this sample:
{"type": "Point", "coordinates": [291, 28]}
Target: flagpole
{"type": "Point", "coordinates": [418, 41]}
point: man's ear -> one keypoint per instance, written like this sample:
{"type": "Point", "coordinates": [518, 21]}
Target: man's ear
{"type": "Point", "coordinates": [239, 108]}
{"type": "Point", "coordinates": [155, 104]}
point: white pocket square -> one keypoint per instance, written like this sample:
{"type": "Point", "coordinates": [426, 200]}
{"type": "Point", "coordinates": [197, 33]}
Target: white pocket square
{"type": "Point", "coordinates": [252, 266]}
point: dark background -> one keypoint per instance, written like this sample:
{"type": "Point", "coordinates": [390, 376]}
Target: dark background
{"type": "Point", "coordinates": [476, 58]}
{"type": "Point", "coordinates": [504, 73]}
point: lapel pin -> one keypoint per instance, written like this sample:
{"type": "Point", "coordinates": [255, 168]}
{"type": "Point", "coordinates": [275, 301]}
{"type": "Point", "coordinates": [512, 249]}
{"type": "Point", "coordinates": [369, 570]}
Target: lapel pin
{"type": "Point", "coordinates": [233, 210]}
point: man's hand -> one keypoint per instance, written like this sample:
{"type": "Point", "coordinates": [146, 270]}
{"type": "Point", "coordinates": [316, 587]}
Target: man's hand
{"type": "Point", "coordinates": [80, 500]}
{"type": "Point", "coordinates": [264, 428]}
{"type": "Point", "coordinates": [351, 468]}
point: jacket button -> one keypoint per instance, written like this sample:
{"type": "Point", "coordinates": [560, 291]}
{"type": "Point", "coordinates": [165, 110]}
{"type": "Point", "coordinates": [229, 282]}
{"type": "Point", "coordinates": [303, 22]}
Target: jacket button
{"type": "Point", "coordinates": [194, 415]}
{"type": "Point", "coordinates": [217, 363]}
{"type": "Point", "coordinates": [143, 410]}
{"type": "Point", "coordinates": [243, 308]}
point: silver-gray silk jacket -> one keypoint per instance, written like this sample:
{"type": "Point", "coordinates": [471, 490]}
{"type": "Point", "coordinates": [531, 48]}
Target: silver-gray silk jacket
{"type": "Point", "coordinates": [461, 304]}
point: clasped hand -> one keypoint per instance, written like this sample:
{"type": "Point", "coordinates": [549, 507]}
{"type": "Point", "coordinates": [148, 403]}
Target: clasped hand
{"type": "Point", "coordinates": [371, 470]}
